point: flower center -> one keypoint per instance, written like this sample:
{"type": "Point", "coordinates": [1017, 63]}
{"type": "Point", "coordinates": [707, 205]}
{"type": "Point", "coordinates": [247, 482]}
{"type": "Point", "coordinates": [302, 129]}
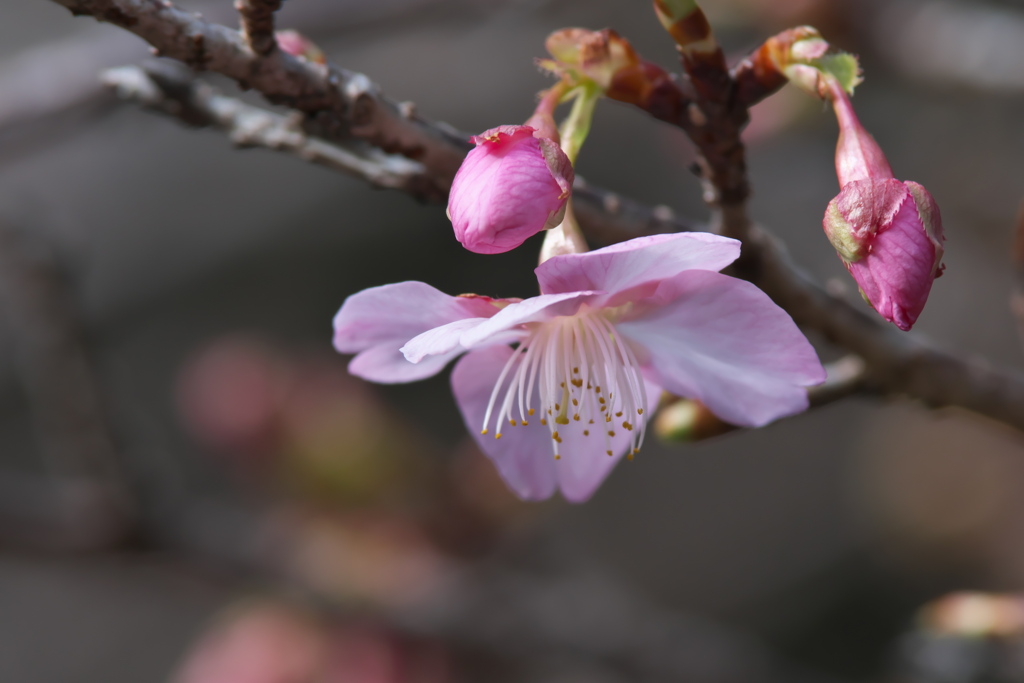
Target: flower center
{"type": "Point", "coordinates": [584, 376]}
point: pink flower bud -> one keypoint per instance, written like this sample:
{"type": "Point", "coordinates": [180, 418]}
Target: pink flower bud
{"type": "Point", "coordinates": [887, 232]}
{"type": "Point", "coordinates": [889, 235]}
{"type": "Point", "coordinates": [510, 187]}
{"type": "Point", "coordinates": [298, 45]}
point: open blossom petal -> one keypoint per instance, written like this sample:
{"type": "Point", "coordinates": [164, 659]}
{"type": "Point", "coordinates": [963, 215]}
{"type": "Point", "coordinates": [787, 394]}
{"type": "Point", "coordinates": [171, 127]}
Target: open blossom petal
{"type": "Point", "coordinates": [376, 322]}
{"type": "Point", "coordinates": [523, 454]}
{"type": "Point", "coordinates": [722, 341]}
{"type": "Point", "coordinates": [439, 341]}
{"type": "Point", "coordinates": [557, 388]}
{"type": "Point", "coordinates": [536, 309]}
{"type": "Point", "coordinates": [624, 266]}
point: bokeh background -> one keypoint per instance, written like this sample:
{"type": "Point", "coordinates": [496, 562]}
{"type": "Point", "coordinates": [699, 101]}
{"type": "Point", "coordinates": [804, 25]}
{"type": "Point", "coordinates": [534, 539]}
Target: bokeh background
{"type": "Point", "coordinates": [192, 489]}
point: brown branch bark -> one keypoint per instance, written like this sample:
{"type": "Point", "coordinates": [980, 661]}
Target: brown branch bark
{"type": "Point", "coordinates": [896, 363]}
{"type": "Point", "coordinates": [341, 102]}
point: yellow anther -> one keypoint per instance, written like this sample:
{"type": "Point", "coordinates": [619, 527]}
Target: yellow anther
{"type": "Point", "coordinates": [562, 420]}
{"type": "Point", "coordinates": [576, 417]}
{"type": "Point", "coordinates": [484, 432]}
{"type": "Point", "coordinates": [558, 406]}
{"type": "Point", "coordinates": [600, 400]}
{"type": "Point", "coordinates": [629, 457]}
{"type": "Point", "coordinates": [577, 383]}
{"type": "Point", "coordinates": [586, 432]}
{"type": "Point", "coordinates": [618, 414]}
{"type": "Point", "coordinates": [639, 411]}
{"type": "Point", "coordinates": [597, 389]}
{"type": "Point", "coordinates": [544, 422]}
{"type": "Point", "coordinates": [628, 426]}
{"type": "Point", "coordinates": [557, 456]}
{"type": "Point", "coordinates": [512, 422]}
{"type": "Point", "coordinates": [576, 370]}
{"type": "Point", "coordinates": [611, 432]}
{"type": "Point", "coordinates": [525, 423]}
{"type": "Point", "coordinates": [607, 418]}
{"type": "Point", "coordinates": [498, 435]}
{"type": "Point", "coordinates": [530, 412]}
{"type": "Point", "coordinates": [609, 453]}
{"type": "Point", "coordinates": [576, 403]}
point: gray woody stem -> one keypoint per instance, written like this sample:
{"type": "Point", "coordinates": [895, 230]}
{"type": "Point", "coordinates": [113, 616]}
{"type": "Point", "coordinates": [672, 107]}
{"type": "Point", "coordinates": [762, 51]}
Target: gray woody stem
{"type": "Point", "coordinates": [344, 103]}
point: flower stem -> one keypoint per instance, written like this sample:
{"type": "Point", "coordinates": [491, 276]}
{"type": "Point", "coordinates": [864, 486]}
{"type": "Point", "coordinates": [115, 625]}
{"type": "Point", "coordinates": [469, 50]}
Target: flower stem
{"type": "Point", "coordinates": [577, 125]}
{"type": "Point", "coordinates": [567, 238]}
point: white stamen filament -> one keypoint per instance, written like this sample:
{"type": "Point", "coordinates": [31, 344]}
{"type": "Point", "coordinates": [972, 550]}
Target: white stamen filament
{"type": "Point", "coordinates": [586, 378]}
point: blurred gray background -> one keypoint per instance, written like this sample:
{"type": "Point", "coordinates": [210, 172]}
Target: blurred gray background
{"type": "Point", "coordinates": [820, 535]}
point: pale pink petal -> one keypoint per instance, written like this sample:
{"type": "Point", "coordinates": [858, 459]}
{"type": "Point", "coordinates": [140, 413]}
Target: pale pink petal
{"type": "Point", "coordinates": [543, 307]}
{"type": "Point", "coordinates": [377, 322]}
{"type": "Point", "coordinates": [385, 364]}
{"type": "Point", "coordinates": [509, 188]}
{"type": "Point", "coordinates": [524, 455]}
{"type": "Point", "coordinates": [439, 340]}
{"type": "Point", "coordinates": [630, 264]}
{"type": "Point", "coordinates": [724, 342]}
{"type": "Point", "coordinates": [897, 275]}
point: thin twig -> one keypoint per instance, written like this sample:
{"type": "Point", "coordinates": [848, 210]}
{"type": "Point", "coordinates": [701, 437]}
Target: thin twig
{"type": "Point", "coordinates": [169, 88]}
{"type": "Point", "coordinates": [49, 88]}
{"type": "Point", "coordinates": [342, 103]}
{"type": "Point", "coordinates": [258, 24]}
{"type": "Point", "coordinates": [1017, 253]}
{"type": "Point", "coordinates": [70, 425]}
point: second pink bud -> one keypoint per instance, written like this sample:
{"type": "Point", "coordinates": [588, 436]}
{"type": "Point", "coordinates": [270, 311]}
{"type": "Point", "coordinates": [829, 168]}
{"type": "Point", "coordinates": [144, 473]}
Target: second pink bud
{"type": "Point", "coordinates": [511, 186]}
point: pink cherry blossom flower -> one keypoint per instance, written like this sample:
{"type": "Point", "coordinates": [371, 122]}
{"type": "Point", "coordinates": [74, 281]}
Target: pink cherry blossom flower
{"type": "Point", "coordinates": [887, 232]}
{"type": "Point", "coordinates": [511, 186]}
{"type": "Point", "coordinates": [610, 330]}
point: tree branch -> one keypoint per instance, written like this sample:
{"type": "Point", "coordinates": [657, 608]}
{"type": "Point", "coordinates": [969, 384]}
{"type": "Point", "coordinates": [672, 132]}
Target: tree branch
{"type": "Point", "coordinates": [169, 88]}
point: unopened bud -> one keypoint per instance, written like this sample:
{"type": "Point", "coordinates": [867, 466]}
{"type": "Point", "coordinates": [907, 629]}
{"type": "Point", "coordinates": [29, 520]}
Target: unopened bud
{"type": "Point", "coordinates": [808, 61]}
{"type": "Point", "coordinates": [510, 187]}
{"type": "Point", "coordinates": [298, 45]}
{"type": "Point", "coordinates": [595, 56]}
{"type": "Point", "coordinates": [888, 234]}
{"type": "Point", "coordinates": [686, 421]}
